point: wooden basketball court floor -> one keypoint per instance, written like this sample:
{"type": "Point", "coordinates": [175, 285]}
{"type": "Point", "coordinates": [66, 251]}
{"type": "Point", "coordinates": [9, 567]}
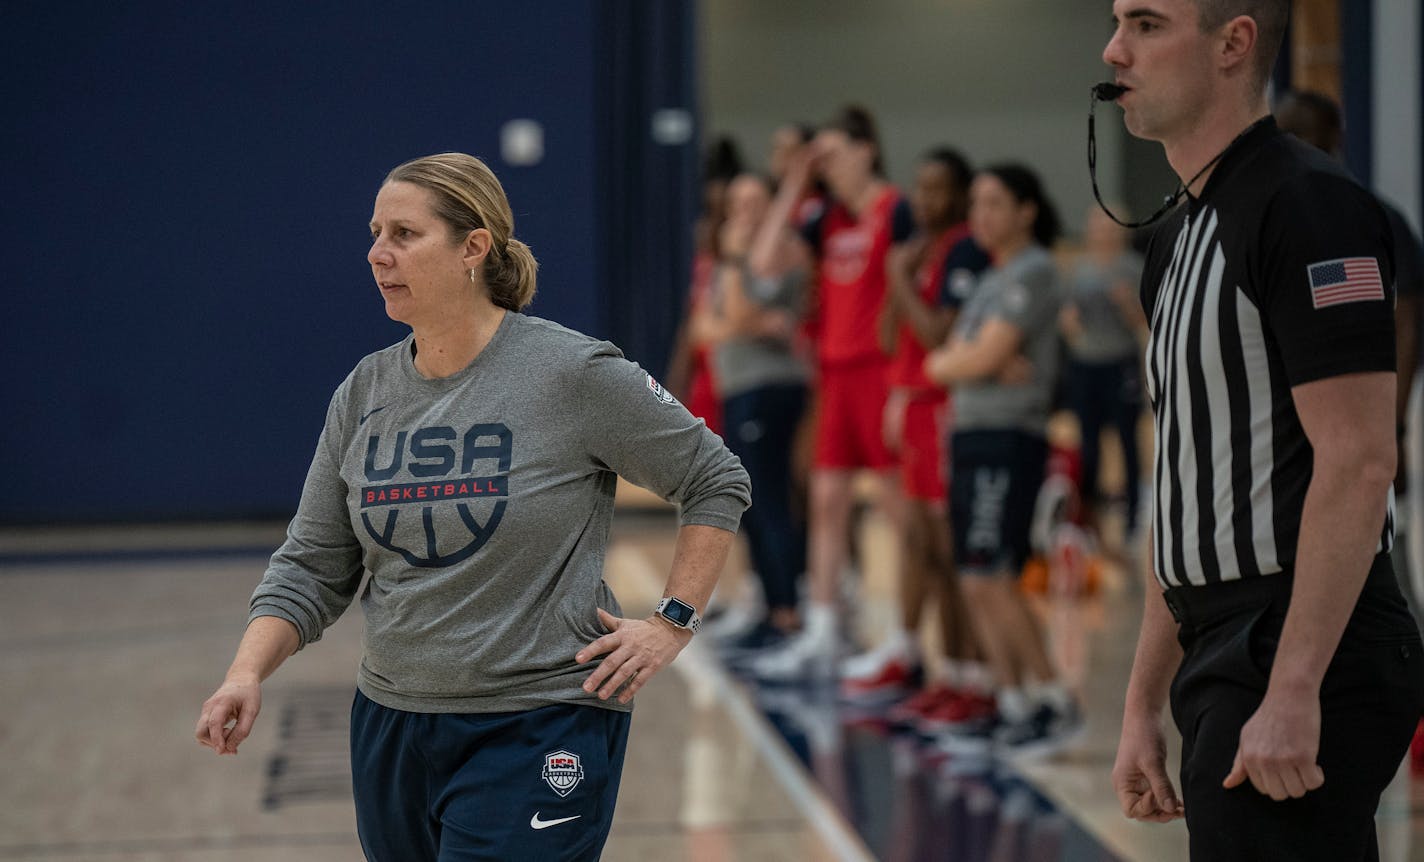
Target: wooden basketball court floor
{"type": "Point", "coordinates": [111, 638]}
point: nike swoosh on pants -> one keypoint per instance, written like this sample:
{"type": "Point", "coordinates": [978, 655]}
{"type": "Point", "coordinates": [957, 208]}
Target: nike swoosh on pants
{"type": "Point", "coordinates": [536, 823]}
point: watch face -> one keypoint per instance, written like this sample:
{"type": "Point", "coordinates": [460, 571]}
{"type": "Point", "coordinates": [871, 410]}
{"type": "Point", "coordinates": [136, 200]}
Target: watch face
{"type": "Point", "coordinates": [678, 611]}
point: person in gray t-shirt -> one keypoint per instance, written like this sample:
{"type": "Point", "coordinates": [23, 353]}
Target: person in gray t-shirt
{"type": "Point", "coordinates": [751, 321]}
{"type": "Point", "coordinates": [466, 476]}
{"type": "Point", "coordinates": [1002, 361]}
{"type": "Point", "coordinates": [1101, 321]}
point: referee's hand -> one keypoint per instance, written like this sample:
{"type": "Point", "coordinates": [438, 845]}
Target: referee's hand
{"type": "Point", "coordinates": [1140, 774]}
{"type": "Point", "coordinates": [1278, 748]}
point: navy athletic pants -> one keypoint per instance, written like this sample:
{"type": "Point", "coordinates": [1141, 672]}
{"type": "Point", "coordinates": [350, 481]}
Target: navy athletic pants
{"type": "Point", "coordinates": [539, 784]}
{"type": "Point", "coordinates": [1102, 393]}
{"type": "Point", "coordinates": [760, 427]}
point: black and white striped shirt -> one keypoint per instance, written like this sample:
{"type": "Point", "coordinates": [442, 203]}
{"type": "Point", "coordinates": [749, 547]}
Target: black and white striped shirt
{"type": "Point", "coordinates": [1246, 300]}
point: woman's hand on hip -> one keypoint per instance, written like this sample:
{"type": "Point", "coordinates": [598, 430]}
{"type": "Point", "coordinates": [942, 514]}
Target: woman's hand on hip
{"type": "Point", "coordinates": [635, 650]}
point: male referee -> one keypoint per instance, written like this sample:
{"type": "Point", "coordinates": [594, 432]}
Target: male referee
{"type": "Point", "coordinates": [1299, 674]}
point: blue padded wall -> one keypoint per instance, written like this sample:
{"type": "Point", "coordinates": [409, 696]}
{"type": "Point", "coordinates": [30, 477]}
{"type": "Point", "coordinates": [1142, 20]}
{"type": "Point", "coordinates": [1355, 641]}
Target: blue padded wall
{"type": "Point", "coordinates": [186, 189]}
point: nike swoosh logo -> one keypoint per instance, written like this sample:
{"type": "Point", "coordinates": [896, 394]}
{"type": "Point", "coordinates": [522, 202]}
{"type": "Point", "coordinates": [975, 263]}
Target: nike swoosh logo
{"type": "Point", "coordinates": [536, 823]}
{"type": "Point", "coordinates": [366, 416]}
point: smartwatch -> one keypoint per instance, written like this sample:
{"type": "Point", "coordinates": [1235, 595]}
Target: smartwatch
{"type": "Point", "coordinates": [679, 613]}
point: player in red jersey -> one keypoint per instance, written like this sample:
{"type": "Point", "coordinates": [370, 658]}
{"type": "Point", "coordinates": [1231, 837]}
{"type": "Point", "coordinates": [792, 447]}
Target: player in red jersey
{"type": "Point", "coordinates": [929, 278]}
{"type": "Point", "coordinates": [850, 242]}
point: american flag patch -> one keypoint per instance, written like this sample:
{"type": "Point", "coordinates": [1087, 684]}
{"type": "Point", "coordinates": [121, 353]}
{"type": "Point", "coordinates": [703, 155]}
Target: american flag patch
{"type": "Point", "coordinates": [1349, 279]}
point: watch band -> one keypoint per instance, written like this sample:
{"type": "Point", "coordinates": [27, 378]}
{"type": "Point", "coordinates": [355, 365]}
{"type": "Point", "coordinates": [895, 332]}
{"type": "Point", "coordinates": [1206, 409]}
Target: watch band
{"type": "Point", "coordinates": [679, 613]}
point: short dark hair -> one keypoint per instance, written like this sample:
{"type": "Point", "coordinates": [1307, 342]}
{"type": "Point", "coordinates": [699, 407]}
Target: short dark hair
{"type": "Point", "coordinates": [960, 173]}
{"type": "Point", "coordinates": [722, 160]}
{"type": "Point", "coordinates": [1024, 185]}
{"type": "Point", "coordinates": [1271, 17]}
{"type": "Point", "coordinates": [856, 123]}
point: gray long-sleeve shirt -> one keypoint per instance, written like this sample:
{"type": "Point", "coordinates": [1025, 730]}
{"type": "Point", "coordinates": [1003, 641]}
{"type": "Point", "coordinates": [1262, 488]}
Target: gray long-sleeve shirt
{"type": "Point", "coordinates": [480, 504]}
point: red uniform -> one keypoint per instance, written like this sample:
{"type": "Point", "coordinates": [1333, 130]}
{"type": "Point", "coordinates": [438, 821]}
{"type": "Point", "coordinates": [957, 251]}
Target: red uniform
{"type": "Point", "coordinates": [923, 465]}
{"type": "Point", "coordinates": [851, 291]}
{"type": "Point", "coordinates": [702, 398]}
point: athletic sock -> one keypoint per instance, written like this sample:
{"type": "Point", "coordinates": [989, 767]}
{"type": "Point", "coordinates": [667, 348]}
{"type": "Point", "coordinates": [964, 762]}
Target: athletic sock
{"type": "Point", "coordinates": [1014, 704]}
{"type": "Point", "coordinates": [897, 643]}
{"type": "Point", "coordinates": [951, 674]}
{"type": "Point", "coordinates": [977, 677]}
{"type": "Point", "coordinates": [820, 625]}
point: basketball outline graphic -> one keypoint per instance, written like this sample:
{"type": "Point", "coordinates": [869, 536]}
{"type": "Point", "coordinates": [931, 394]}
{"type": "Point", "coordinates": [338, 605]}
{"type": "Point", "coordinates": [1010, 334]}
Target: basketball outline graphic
{"type": "Point", "coordinates": [563, 770]}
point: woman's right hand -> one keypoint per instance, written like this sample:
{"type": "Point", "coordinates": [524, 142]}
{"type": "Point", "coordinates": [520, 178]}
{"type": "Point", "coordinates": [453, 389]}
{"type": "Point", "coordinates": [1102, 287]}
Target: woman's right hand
{"type": "Point", "coordinates": [800, 168]}
{"type": "Point", "coordinates": [237, 701]}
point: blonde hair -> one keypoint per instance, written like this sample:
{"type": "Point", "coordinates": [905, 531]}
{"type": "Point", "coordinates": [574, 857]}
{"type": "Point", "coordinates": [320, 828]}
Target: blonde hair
{"type": "Point", "coordinates": [467, 197]}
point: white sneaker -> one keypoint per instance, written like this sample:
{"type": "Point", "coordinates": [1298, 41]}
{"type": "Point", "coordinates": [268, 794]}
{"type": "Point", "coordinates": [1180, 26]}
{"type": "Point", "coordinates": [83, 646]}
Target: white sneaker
{"type": "Point", "coordinates": [801, 658]}
{"type": "Point", "coordinates": [871, 662]}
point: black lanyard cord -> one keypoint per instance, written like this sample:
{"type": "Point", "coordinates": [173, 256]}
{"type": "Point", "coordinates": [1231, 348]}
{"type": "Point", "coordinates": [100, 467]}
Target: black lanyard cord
{"type": "Point", "coordinates": [1171, 200]}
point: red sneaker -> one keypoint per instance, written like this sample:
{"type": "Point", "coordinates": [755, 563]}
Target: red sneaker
{"type": "Point", "coordinates": [875, 675]}
{"type": "Point", "coordinates": [914, 708]}
{"type": "Point", "coordinates": [965, 709]}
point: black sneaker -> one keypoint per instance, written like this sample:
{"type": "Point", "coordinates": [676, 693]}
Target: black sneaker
{"type": "Point", "coordinates": [1047, 731]}
{"type": "Point", "coordinates": [763, 636]}
{"type": "Point", "coordinates": [972, 738]}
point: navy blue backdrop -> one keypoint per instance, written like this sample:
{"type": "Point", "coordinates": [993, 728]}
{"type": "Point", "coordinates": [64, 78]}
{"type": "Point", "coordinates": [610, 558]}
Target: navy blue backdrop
{"type": "Point", "coordinates": [186, 189]}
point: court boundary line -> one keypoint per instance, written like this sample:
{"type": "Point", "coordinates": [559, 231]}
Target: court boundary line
{"type": "Point", "coordinates": [695, 661]}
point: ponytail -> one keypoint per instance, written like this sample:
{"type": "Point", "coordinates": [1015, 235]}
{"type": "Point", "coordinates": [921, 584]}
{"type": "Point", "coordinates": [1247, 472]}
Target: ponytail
{"type": "Point", "coordinates": [509, 276]}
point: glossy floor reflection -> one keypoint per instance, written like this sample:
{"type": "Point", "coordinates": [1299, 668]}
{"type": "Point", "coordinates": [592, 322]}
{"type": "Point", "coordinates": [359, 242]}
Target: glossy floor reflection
{"type": "Point", "coordinates": [911, 802]}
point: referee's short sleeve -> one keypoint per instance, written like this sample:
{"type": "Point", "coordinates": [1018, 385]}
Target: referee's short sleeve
{"type": "Point", "coordinates": [1325, 284]}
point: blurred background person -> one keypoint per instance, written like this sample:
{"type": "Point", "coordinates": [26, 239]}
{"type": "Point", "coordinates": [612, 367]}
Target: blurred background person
{"type": "Point", "coordinates": [927, 278]}
{"type": "Point", "coordinates": [689, 374]}
{"type": "Point", "coordinates": [786, 142]}
{"type": "Point", "coordinates": [751, 323]}
{"type": "Point", "coordinates": [850, 242]}
{"type": "Point", "coordinates": [1102, 324]}
{"type": "Point", "coordinates": [1002, 363]}
{"type": "Point", "coordinates": [1315, 118]}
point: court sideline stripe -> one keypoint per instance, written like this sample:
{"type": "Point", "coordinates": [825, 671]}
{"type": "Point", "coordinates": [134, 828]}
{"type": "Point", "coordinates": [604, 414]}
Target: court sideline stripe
{"type": "Point", "coordinates": [695, 662]}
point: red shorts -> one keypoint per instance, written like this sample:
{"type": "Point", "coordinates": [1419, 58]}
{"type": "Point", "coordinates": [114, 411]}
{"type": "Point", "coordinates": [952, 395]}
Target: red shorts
{"type": "Point", "coordinates": [923, 467]}
{"type": "Point", "coordinates": [702, 399]}
{"type": "Point", "coordinates": [849, 424]}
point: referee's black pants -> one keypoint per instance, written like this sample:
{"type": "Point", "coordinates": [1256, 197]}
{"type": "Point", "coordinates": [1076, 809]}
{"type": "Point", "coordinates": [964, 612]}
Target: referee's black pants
{"type": "Point", "coordinates": [1371, 699]}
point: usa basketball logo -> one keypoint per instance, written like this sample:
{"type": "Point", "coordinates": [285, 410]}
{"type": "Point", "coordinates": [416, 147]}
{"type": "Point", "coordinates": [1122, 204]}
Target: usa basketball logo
{"type": "Point", "coordinates": [658, 391]}
{"type": "Point", "coordinates": [563, 771]}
